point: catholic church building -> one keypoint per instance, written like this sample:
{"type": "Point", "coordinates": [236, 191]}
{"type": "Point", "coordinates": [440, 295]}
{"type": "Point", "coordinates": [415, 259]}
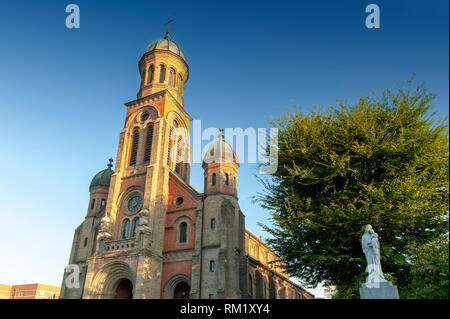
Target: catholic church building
{"type": "Point", "coordinates": [148, 233]}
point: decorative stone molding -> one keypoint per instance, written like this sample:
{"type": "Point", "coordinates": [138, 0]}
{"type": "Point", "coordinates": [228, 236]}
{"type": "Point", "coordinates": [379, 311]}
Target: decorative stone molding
{"type": "Point", "coordinates": [106, 280]}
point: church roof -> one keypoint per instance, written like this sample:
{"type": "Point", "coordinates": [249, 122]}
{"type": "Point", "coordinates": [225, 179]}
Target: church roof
{"type": "Point", "coordinates": [220, 152]}
{"type": "Point", "coordinates": [102, 178]}
{"type": "Point", "coordinates": [166, 43]}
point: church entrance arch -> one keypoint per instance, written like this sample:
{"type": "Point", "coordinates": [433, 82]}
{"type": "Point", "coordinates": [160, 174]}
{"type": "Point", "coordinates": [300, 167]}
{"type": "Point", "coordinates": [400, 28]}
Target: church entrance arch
{"type": "Point", "coordinates": [178, 287]}
{"type": "Point", "coordinates": [114, 280]}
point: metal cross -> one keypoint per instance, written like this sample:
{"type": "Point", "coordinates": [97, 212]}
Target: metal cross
{"type": "Point", "coordinates": [168, 24]}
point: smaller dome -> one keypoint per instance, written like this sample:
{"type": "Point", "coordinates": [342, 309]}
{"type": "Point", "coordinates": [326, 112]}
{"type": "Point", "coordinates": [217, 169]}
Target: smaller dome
{"type": "Point", "coordinates": [166, 43]}
{"type": "Point", "coordinates": [103, 177]}
{"type": "Point", "coordinates": [220, 152]}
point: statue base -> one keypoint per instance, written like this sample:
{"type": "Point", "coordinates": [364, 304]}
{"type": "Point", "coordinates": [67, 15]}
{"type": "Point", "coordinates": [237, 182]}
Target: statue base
{"type": "Point", "coordinates": [379, 290]}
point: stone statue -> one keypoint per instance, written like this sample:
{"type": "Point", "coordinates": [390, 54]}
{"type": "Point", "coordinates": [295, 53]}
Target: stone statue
{"type": "Point", "coordinates": [144, 216]}
{"type": "Point", "coordinates": [144, 233]}
{"type": "Point", "coordinates": [376, 286]}
{"type": "Point", "coordinates": [104, 234]}
{"type": "Point", "coordinates": [104, 229]}
{"type": "Point", "coordinates": [371, 248]}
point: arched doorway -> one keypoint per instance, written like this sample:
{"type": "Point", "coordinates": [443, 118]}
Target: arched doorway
{"type": "Point", "coordinates": [124, 290]}
{"type": "Point", "coordinates": [107, 280]}
{"type": "Point", "coordinates": [177, 287]}
{"type": "Point", "coordinates": [181, 291]}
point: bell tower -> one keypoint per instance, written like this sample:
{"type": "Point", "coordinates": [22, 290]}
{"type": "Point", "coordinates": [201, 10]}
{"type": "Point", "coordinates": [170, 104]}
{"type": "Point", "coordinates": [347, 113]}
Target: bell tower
{"type": "Point", "coordinates": [220, 269]}
{"type": "Point", "coordinates": [220, 168]}
{"type": "Point", "coordinates": [153, 147]}
{"type": "Point", "coordinates": [161, 70]}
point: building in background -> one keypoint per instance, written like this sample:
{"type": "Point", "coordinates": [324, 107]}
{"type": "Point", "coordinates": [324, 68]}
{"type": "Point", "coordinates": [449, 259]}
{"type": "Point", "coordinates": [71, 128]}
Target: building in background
{"type": "Point", "coordinates": [148, 233]}
{"type": "Point", "coordinates": [29, 291]}
{"type": "Point", "coordinates": [329, 291]}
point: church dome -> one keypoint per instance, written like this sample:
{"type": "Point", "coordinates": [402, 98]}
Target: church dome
{"type": "Point", "coordinates": [220, 152]}
{"type": "Point", "coordinates": [166, 43]}
{"type": "Point", "coordinates": [102, 178]}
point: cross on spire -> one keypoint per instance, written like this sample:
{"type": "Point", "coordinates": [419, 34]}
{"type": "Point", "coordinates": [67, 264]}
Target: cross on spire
{"type": "Point", "coordinates": [168, 25]}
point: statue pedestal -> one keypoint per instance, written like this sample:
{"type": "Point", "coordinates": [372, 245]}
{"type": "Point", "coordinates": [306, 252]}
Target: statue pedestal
{"type": "Point", "coordinates": [378, 290]}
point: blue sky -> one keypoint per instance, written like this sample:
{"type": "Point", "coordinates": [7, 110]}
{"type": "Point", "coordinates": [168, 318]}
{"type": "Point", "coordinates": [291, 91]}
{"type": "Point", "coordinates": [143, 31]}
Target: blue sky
{"type": "Point", "coordinates": [62, 91]}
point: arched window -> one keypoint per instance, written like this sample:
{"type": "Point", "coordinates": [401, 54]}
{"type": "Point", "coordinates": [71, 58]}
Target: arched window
{"type": "Point", "coordinates": [148, 144]}
{"type": "Point", "coordinates": [212, 266]}
{"type": "Point", "coordinates": [134, 147]}
{"type": "Point", "coordinates": [183, 232]}
{"type": "Point", "coordinates": [93, 203]}
{"type": "Point", "coordinates": [179, 155]}
{"type": "Point", "coordinates": [250, 285]}
{"type": "Point", "coordinates": [169, 148]}
{"type": "Point", "coordinates": [94, 245]}
{"type": "Point", "coordinates": [144, 77]}
{"type": "Point", "coordinates": [171, 77]}
{"type": "Point", "coordinates": [214, 179]}
{"type": "Point", "coordinates": [227, 179]}
{"type": "Point", "coordinates": [126, 229]}
{"type": "Point", "coordinates": [103, 202]}
{"type": "Point", "coordinates": [135, 225]}
{"type": "Point", "coordinates": [151, 74]}
{"type": "Point", "coordinates": [162, 74]}
{"type": "Point", "coordinates": [213, 223]}
{"type": "Point", "coordinates": [179, 82]}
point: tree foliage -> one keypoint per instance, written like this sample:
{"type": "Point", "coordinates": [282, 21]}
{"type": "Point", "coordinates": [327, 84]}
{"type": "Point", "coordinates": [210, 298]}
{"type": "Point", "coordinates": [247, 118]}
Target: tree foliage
{"type": "Point", "coordinates": [429, 271]}
{"type": "Point", "coordinates": [383, 161]}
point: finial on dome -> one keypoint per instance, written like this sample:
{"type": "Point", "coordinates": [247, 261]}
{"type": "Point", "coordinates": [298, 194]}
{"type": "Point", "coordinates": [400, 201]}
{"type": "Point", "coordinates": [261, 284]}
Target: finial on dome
{"type": "Point", "coordinates": [110, 162]}
{"type": "Point", "coordinates": [167, 37]}
{"type": "Point", "coordinates": [221, 135]}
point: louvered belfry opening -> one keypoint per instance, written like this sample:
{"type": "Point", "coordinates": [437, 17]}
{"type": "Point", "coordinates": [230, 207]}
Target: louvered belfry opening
{"type": "Point", "coordinates": [148, 144]}
{"type": "Point", "coordinates": [169, 150]}
{"type": "Point", "coordinates": [134, 147]}
{"type": "Point", "coordinates": [151, 72]}
{"type": "Point", "coordinates": [179, 154]}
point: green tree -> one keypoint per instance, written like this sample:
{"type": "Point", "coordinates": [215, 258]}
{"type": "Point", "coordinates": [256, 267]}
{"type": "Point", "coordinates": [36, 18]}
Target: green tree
{"type": "Point", "coordinates": [429, 271]}
{"type": "Point", "coordinates": [383, 161]}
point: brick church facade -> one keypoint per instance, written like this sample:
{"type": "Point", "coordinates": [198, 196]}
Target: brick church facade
{"type": "Point", "coordinates": [148, 233]}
